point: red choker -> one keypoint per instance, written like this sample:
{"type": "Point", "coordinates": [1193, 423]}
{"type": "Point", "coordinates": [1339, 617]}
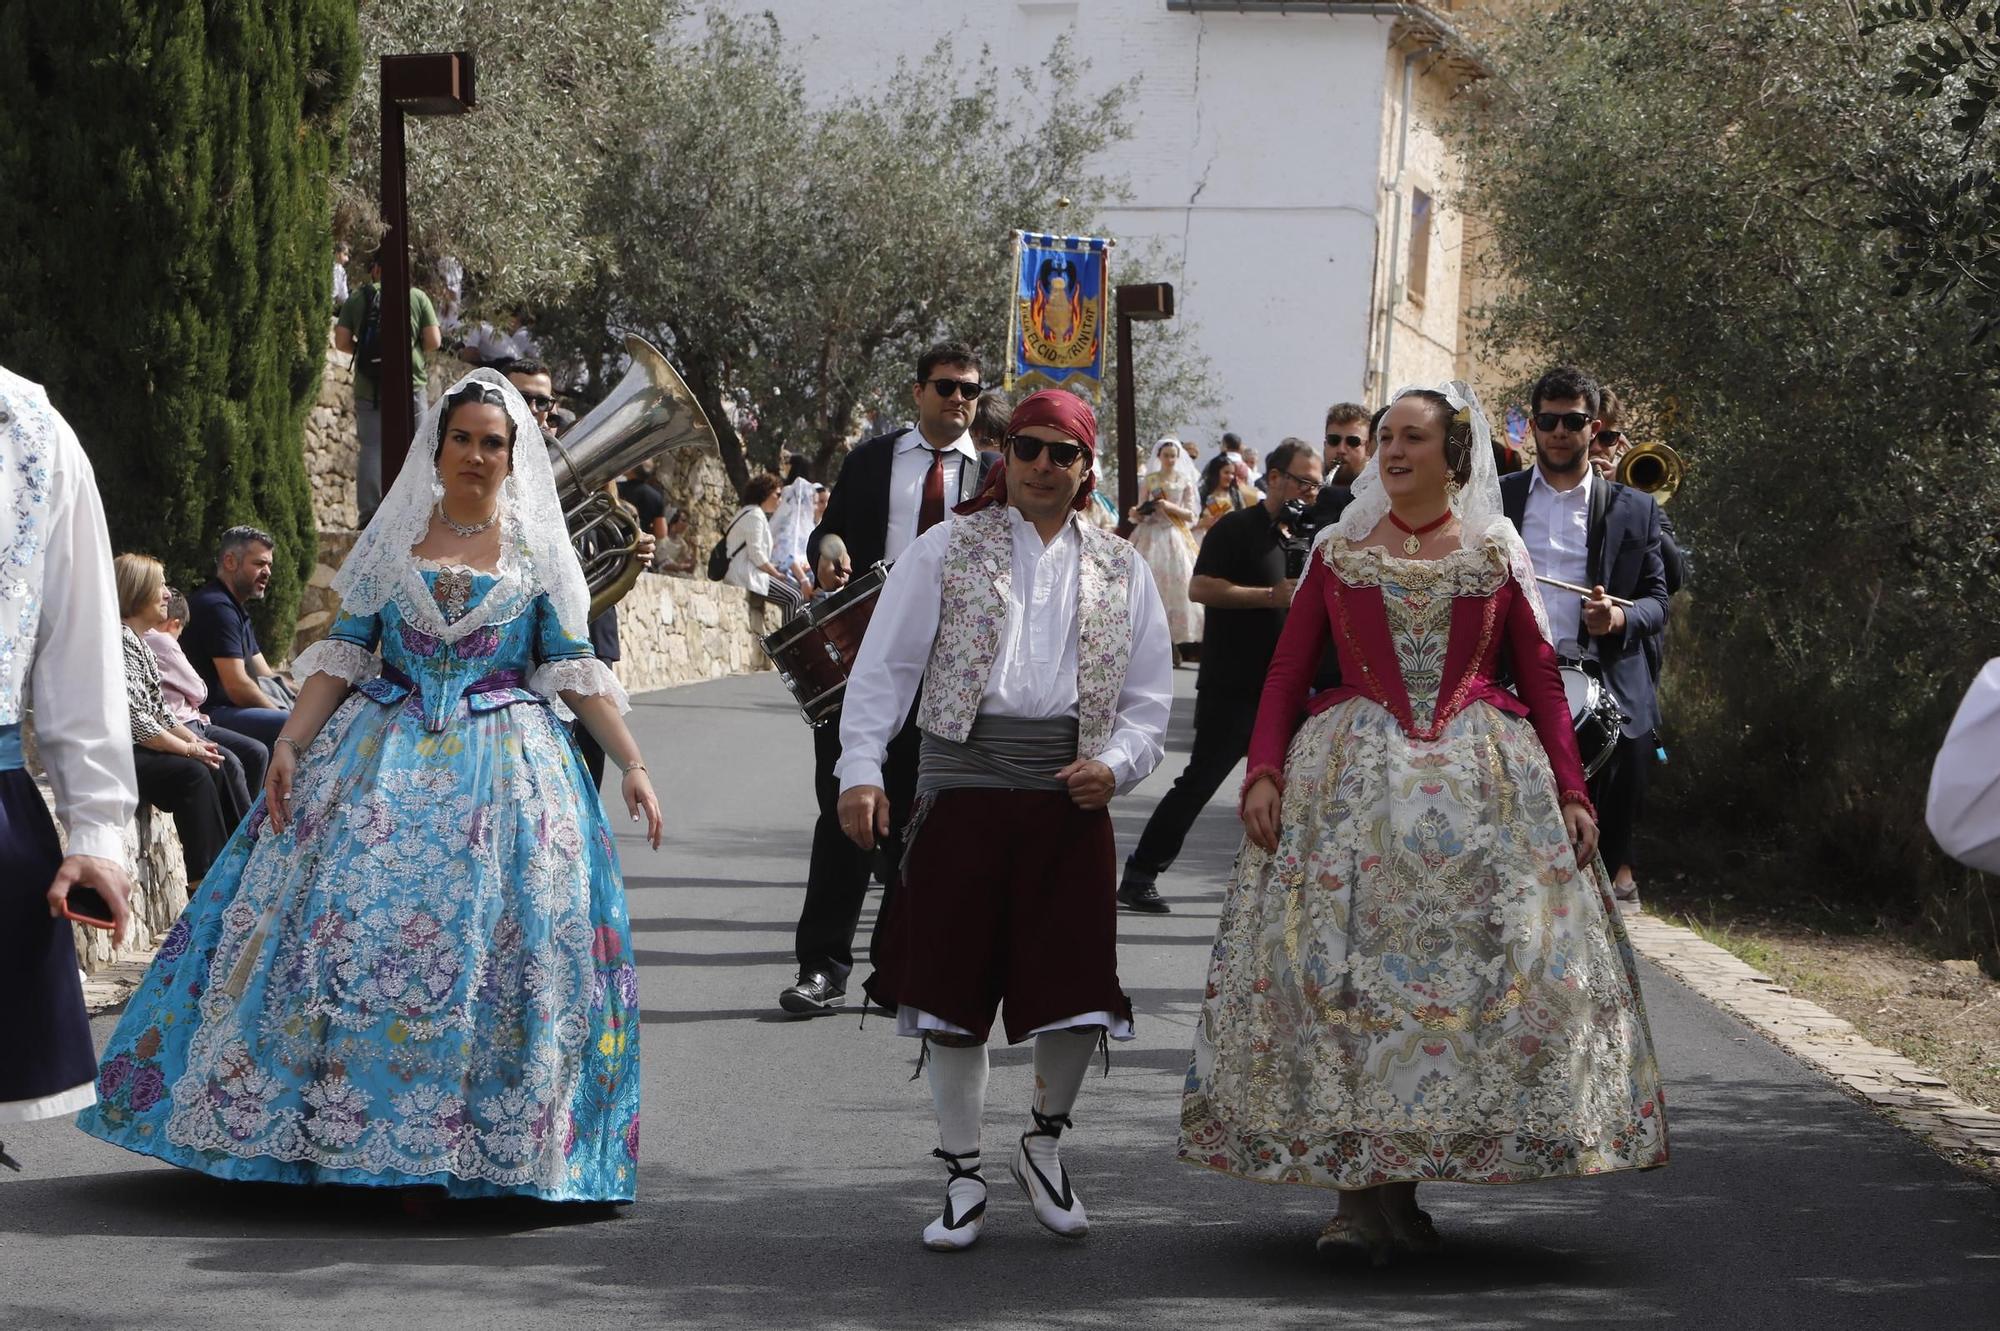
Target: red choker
{"type": "Point", "coordinates": [1413, 544]}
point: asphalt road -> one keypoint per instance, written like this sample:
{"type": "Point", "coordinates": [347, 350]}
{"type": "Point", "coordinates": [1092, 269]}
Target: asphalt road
{"type": "Point", "coordinates": [785, 1175]}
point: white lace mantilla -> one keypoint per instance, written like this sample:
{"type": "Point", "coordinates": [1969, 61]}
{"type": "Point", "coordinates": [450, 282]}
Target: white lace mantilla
{"type": "Point", "coordinates": [584, 674]}
{"type": "Point", "coordinates": [339, 658]}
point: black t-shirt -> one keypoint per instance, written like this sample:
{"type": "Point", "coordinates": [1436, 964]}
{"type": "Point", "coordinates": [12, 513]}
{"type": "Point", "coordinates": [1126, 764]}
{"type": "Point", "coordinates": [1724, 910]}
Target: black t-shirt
{"type": "Point", "coordinates": [645, 497]}
{"type": "Point", "coordinates": [1244, 548]}
{"type": "Point", "coordinates": [218, 625]}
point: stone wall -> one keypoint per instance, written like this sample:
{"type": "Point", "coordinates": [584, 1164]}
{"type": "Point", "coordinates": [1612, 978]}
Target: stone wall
{"type": "Point", "coordinates": [331, 446]}
{"type": "Point", "coordinates": [680, 630]}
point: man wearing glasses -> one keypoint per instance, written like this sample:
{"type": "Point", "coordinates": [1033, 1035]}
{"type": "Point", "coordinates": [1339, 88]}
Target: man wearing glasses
{"type": "Point", "coordinates": [1349, 443]}
{"type": "Point", "coordinates": [1047, 666]}
{"type": "Point", "coordinates": [891, 489]}
{"type": "Point", "coordinates": [538, 390]}
{"type": "Point", "coordinates": [1242, 577]}
{"type": "Point", "coordinates": [1591, 532]}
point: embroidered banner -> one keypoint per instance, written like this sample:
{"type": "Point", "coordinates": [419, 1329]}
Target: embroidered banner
{"type": "Point", "coordinates": [1058, 313]}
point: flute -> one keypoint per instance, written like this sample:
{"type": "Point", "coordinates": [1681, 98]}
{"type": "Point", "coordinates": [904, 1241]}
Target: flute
{"type": "Point", "coordinates": [1585, 592]}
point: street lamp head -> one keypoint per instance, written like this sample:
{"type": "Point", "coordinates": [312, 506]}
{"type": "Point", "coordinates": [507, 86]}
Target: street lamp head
{"type": "Point", "coordinates": [1146, 300]}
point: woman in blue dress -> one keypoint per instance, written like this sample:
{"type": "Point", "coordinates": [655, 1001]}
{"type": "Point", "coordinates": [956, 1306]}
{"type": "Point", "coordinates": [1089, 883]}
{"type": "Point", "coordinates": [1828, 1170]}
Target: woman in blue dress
{"type": "Point", "coordinates": [412, 964]}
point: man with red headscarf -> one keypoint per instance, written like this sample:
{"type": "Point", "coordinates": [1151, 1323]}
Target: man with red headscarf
{"type": "Point", "coordinates": [1042, 649]}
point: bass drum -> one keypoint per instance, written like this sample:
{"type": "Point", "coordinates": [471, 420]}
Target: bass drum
{"type": "Point", "coordinates": [1594, 714]}
{"type": "Point", "coordinates": [815, 650]}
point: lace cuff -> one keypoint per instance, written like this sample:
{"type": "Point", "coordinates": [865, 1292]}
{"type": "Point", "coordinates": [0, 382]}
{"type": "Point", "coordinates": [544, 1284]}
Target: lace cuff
{"type": "Point", "coordinates": [339, 658]}
{"type": "Point", "coordinates": [1253, 776]}
{"type": "Point", "coordinates": [581, 674]}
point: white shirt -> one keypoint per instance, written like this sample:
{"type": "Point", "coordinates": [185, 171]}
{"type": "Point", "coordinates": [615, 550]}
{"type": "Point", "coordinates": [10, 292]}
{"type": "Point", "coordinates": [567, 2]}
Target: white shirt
{"type": "Point", "coordinates": [339, 282]}
{"type": "Point", "coordinates": [750, 530]}
{"type": "Point", "coordinates": [1555, 526]}
{"type": "Point", "coordinates": [76, 674]}
{"type": "Point", "coordinates": [1034, 671]}
{"type": "Point", "coordinates": [1964, 807]}
{"type": "Point", "coordinates": [906, 485]}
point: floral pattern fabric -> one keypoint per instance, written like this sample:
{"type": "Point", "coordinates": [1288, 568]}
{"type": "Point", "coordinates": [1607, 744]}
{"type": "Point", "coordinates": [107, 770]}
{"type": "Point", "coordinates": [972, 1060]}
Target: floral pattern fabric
{"type": "Point", "coordinates": [1421, 983]}
{"type": "Point", "coordinates": [1168, 547]}
{"type": "Point", "coordinates": [428, 977]}
{"type": "Point", "coordinates": [972, 609]}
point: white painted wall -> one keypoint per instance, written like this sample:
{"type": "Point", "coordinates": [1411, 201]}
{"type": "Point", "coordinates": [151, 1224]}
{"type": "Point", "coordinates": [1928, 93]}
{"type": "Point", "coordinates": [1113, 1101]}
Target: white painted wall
{"type": "Point", "coordinates": [1253, 164]}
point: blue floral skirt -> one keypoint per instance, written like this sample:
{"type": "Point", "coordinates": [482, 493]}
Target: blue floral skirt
{"type": "Point", "coordinates": [426, 979]}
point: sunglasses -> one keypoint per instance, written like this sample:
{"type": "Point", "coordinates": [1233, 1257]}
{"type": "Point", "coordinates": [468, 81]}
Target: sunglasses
{"type": "Point", "coordinates": [1028, 449]}
{"type": "Point", "coordinates": [1569, 420]}
{"type": "Point", "coordinates": [1311, 487]}
{"type": "Point", "coordinates": [536, 402]}
{"type": "Point", "coordinates": [969, 389]}
{"type": "Point", "coordinates": [1351, 440]}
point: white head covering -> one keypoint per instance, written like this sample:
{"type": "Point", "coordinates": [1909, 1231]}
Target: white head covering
{"type": "Point", "coordinates": [1184, 468]}
{"type": "Point", "coordinates": [534, 539]}
{"type": "Point", "coordinates": [1477, 505]}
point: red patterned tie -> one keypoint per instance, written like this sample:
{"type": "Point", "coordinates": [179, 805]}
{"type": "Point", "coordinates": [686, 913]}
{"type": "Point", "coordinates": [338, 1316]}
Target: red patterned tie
{"type": "Point", "coordinates": [931, 512]}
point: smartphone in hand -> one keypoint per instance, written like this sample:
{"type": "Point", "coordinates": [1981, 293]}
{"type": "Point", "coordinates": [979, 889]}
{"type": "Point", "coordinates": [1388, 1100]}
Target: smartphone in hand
{"type": "Point", "coordinates": [87, 907]}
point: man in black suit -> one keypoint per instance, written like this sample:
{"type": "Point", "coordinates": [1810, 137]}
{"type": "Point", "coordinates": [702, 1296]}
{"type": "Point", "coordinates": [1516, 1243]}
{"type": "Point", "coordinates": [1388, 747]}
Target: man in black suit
{"type": "Point", "coordinates": [890, 489]}
{"type": "Point", "coordinates": [1586, 530]}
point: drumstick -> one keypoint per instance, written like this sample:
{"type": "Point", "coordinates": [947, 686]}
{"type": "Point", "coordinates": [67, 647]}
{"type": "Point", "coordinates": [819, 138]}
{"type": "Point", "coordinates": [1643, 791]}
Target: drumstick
{"type": "Point", "coordinates": [1581, 591]}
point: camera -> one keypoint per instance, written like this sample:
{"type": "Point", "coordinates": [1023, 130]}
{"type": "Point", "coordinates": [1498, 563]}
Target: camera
{"type": "Point", "coordinates": [1299, 524]}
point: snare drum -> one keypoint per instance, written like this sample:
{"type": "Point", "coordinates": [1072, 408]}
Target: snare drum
{"type": "Point", "coordinates": [1594, 713]}
{"type": "Point", "coordinates": [815, 650]}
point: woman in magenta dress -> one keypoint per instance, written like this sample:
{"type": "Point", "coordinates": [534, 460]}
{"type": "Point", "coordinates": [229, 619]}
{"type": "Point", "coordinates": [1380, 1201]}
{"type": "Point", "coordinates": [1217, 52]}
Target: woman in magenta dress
{"type": "Point", "coordinates": [1419, 974]}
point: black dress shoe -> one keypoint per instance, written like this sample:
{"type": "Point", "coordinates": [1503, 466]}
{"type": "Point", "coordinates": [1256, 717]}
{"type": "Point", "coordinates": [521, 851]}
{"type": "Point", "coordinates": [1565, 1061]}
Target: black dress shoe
{"type": "Point", "coordinates": [1144, 898]}
{"type": "Point", "coordinates": [815, 992]}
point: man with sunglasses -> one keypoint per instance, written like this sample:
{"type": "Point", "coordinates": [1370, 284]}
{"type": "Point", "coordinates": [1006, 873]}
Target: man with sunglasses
{"type": "Point", "coordinates": [1592, 532]}
{"type": "Point", "coordinates": [890, 490]}
{"type": "Point", "coordinates": [1240, 575]}
{"type": "Point", "coordinates": [1349, 443]}
{"type": "Point", "coordinates": [1047, 666]}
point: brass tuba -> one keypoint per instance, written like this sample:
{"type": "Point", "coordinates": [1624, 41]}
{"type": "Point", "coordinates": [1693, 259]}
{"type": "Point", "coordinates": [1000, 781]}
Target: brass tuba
{"type": "Point", "coordinates": [649, 412]}
{"type": "Point", "coordinates": [1654, 468]}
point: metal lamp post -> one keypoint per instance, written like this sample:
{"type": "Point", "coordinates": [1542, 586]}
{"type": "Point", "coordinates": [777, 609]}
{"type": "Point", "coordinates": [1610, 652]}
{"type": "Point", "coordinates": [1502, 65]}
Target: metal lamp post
{"type": "Point", "coordinates": [437, 83]}
{"type": "Point", "coordinates": [1151, 300]}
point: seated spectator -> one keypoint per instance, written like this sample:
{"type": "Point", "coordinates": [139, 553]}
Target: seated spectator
{"type": "Point", "coordinates": [222, 642]}
{"type": "Point", "coordinates": [181, 685]}
{"type": "Point", "coordinates": [179, 773]}
{"type": "Point", "coordinates": [835, 567]}
{"type": "Point", "coordinates": [749, 543]}
{"type": "Point", "coordinates": [642, 494]}
{"type": "Point", "coordinates": [676, 552]}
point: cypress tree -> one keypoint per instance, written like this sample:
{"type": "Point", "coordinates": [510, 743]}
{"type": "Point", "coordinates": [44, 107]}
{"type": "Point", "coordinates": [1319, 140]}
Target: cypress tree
{"type": "Point", "coordinates": [166, 251]}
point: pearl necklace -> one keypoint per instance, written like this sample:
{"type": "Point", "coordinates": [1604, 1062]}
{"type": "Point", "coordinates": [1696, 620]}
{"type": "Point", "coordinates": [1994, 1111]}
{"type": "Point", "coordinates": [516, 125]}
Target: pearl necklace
{"type": "Point", "coordinates": [461, 528]}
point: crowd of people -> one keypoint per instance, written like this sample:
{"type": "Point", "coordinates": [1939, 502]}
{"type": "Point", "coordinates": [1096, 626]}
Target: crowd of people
{"type": "Point", "coordinates": [406, 958]}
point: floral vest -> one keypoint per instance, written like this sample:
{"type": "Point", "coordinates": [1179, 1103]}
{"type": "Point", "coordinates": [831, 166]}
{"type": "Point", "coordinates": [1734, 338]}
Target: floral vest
{"type": "Point", "coordinates": [977, 582]}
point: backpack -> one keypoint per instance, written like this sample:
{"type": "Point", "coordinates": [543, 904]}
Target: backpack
{"type": "Point", "coordinates": [720, 556]}
{"type": "Point", "coordinates": [368, 346]}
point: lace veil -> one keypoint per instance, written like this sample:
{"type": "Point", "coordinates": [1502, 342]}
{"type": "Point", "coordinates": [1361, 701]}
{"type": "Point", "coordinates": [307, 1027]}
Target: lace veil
{"type": "Point", "coordinates": [1481, 516]}
{"type": "Point", "coordinates": [534, 539]}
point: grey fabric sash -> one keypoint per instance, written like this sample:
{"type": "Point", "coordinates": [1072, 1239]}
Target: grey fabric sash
{"type": "Point", "coordinates": [1001, 753]}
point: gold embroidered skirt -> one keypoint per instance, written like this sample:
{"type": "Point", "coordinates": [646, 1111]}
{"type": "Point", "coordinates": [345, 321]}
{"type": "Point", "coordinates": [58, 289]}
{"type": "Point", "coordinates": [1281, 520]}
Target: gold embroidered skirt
{"type": "Point", "coordinates": [1421, 984]}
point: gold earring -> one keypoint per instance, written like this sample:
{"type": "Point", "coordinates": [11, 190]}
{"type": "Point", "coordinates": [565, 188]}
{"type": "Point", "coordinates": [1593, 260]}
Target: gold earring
{"type": "Point", "coordinates": [1451, 492]}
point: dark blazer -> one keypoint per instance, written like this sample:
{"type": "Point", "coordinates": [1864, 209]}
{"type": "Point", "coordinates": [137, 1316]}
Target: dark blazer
{"type": "Point", "coordinates": [1624, 559]}
{"type": "Point", "coordinates": [858, 509]}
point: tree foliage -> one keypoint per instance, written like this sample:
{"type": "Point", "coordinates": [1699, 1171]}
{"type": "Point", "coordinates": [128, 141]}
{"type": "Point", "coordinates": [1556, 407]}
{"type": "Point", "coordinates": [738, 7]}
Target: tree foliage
{"type": "Point", "coordinates": [506, 189]}
{"type": "Point", "coordinates": [793, 258]}
{"type": "Point", "coordinates": [1682, 193]}
{"type": "Point", "coordinates": [166, 223]}
{"type": "Point", "coordinates": [1945, 210]}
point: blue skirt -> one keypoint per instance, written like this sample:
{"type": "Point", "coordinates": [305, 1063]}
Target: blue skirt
{"type": "Point", "coordinates": [427, 978]}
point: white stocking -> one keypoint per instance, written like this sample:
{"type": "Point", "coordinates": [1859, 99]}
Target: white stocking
{"type": "Point", "coordinates": [958, 1090]}
{"type": "Point", "coordinates": [1061, 1060]}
